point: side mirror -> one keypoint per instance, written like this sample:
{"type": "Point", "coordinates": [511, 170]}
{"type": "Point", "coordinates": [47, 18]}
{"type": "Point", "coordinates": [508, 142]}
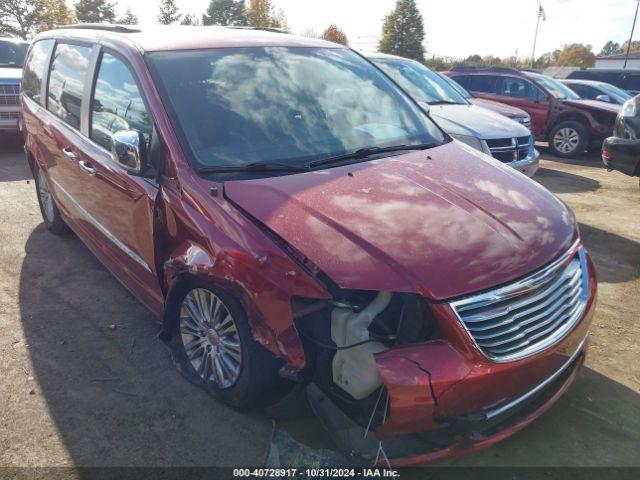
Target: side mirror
{"type": "Point", "coordinates": [129, 149]}
{"type": "Point", "coordinates": [622, 154]}
{"type": "Point", "coordinates": [425, 106]}
{"type": "Point", "coordinates": [604, 98]}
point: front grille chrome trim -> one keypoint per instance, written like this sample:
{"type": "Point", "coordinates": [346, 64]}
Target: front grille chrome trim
{"type": "Point", "coordinates": [530, 315]}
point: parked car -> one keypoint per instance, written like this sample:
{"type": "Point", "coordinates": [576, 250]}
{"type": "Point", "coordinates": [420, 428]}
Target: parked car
{"type": "Point", "coordinates": [621, 152]}
{"type": "Point", "coordinates": [516, 114]}
{"type": "Point", "coordinates": [628, 79]}
{"type": "Point", "coordinates": [482, 129]}
{"type": "Point", "coordinates": [12, 53]}
{"type": "Point", "coordinates": [592, 90]}
{"type": "Point", "coordinates": [558, 115]}
{"type": "Point", "coordinates": [291, 215]}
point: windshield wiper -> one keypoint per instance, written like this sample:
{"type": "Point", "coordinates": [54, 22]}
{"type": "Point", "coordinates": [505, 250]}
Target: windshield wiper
{"type": "Point", "coordinates": [444, 102]}
{"type": "Point", "coordinates": [367, 152]}
{"type": "Point", "coordinates": [254, 167]}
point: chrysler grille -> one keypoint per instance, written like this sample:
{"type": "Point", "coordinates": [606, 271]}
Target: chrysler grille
{"type": "Point", "coordinates": [509, 149]}
{"type": "Point", "coordinates": [530, 315]}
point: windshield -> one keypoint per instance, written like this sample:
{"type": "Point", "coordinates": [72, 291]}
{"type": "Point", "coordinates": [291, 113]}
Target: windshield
{"type": "Point", "coordinates": [420, 82]}
{"type": "Point", "coordinates": [12, 53]}
{"type": "Point", "coordinates": [614, 92]}
{"type": "Point", "coordinates": [555, 88]}
{"type": "Point", "coordinates": [238, 106]}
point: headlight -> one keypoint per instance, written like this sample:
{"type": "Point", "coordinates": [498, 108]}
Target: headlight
{"type": "Point", "coordinates": [473, 142]}
{"type": "Point", "coordinates": [630, 108]}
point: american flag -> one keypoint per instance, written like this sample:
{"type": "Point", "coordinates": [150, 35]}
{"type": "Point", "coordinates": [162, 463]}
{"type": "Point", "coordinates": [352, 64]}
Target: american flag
{"type": "Point", "coordinates": [542, 14]}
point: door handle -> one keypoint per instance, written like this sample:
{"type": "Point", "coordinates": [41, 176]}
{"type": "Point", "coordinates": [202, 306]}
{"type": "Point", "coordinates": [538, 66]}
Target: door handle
{"type": "Point", "coordinates": [69, 153]}
{"type": "Point", "coordinates": [86, 167]}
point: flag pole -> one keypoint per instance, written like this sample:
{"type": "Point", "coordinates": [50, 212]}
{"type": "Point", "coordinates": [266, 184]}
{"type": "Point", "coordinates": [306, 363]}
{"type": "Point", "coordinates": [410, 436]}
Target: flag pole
{"type": "Point", "coordinates": [535, 39]}
{"type": "Point", "coordinates": [626, 58]}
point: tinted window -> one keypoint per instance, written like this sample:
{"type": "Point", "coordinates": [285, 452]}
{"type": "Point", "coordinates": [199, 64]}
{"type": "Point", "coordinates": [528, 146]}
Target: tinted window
{"type": "Point", "coordinates": [463, 80]}
{"type": "Point", "coordinates": [483, 83]}
{"type": "Point", "coordinates": [631, 81]}
{"type": "Point", "coordinates": [235, 106]}
{"type": "Point", "coordinates": [35, 68]}
{"type": "Point", "coordinates": [66, 81]}
{"type": "Point", "coordinates": [12, 53]}
{"type": "Point", "coordinates": [585, 91]}
{"type": "Point", "coordinates": [117, 104]}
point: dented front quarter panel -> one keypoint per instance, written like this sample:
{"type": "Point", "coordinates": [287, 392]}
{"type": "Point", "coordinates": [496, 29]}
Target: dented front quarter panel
{"type": "Point", "coordinates": [206, 237]}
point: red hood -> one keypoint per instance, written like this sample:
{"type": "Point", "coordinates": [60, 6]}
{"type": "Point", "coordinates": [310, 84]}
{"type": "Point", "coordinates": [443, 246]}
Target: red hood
{"type": "Point", "coordinates": [501, 108]}
{"type": "Point", "coordinates": [457, 223]}
{"type": "Point", "coordinates": [595, 105]}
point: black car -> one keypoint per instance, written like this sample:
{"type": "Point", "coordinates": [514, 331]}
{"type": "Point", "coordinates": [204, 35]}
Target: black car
{"type": "Point", "coordinates": [622, 151]}
{"type": "Point", "coordinates": [627, 79]}
{"type": "Point", "coordinates": [593, 90]}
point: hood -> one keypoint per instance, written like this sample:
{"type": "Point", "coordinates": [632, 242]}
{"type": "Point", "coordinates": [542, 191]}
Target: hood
{"type": "Point", "coordinates": [595, 105]}
{"type": "Point", "coordinates": [501, 108]}
{"type": "Point", "coordinates": [476, 121]}
{"type": "Point", "coordinates": [10, 73]}
{"type": "Point", "coordinates": [444, 222]}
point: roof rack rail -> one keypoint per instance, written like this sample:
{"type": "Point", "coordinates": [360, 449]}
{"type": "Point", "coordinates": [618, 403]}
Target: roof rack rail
{"type": "Point", "coordinates": [109, 27]}
{"type": "Point", "coordinates": [265, 29]}
{"type": "Point", "coordinates": [495, 69]}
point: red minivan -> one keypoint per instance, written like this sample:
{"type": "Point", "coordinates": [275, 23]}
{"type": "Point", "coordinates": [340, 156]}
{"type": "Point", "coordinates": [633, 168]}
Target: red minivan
{"type": "Point", "coordinates": [291, 216]}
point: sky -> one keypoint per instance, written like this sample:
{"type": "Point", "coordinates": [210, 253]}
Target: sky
{"type": "Point", "coordinates": [454, 28]}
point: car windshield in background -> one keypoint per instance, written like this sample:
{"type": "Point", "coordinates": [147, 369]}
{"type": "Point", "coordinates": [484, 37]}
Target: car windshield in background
{"type": "Point", "coordinates": [12, 53]}
{"type": "Point", "coordinates": [614, 92]}
{"type": "Point", "coordinates": [235, 107]}
{"type": "Point", "coordinates": [555, 88]}
{"type": "Point", "coordinates": [420, 82]}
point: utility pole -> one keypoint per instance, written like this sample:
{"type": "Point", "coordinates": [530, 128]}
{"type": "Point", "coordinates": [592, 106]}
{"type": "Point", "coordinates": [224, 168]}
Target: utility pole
{"type": "Point", "coordinates": [626, 58]}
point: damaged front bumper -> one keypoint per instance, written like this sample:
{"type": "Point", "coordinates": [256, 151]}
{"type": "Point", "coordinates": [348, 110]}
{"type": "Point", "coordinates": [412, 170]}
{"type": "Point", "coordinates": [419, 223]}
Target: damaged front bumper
{"type": "Point", "coordinates": [439, 401]}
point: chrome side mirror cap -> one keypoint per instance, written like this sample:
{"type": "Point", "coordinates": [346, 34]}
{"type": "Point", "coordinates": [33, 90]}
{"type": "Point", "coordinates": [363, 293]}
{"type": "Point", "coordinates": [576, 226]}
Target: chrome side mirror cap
{"type": "Point", "coordinates": [129, 150]}
{"type": "Point", "coordinates": [604, 98]}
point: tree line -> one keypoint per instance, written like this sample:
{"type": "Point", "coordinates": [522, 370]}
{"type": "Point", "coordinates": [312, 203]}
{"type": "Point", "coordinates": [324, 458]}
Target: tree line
{"type": "Point", "coordinates": [402, 29]}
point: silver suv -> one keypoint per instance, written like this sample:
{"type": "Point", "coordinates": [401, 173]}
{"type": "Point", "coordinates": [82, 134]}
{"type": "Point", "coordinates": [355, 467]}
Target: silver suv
{"type": "Point", "coordinates": [12, 53]}
{"type": "Point", "coordinates": [506, 140]}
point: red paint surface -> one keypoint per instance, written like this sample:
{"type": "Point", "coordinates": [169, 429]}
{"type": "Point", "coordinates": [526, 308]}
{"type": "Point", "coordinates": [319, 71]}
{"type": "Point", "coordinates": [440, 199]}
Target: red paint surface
{"type": "Point", "coordinates": [448, 225]}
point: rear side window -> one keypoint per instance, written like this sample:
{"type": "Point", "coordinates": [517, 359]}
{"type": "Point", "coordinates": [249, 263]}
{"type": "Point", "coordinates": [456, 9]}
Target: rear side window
{"type": "Point", "coordinates": [483, 83]}
{"type": "Point", "coordinates": [117, 104]}
{"type": "Point", "coordinates": [631, 81]}
{"type": "Point", "coordinates": [66, 82]}
{"type": "Point", "coordinates": [463, 80]}
{"type": "Point", "coordinates": [34, 69]}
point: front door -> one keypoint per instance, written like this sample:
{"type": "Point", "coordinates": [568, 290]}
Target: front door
{"type": "Point", "coordinates": [521, 93]}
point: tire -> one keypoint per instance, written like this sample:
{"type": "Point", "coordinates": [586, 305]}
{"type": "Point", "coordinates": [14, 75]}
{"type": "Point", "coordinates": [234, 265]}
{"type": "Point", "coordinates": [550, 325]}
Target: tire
{"type": "Point", "coordinates": [568, 139]}
{"type": "Point", "coordinates": [256, 382]}
{"type": "Point", "coordinates": [48, 208]}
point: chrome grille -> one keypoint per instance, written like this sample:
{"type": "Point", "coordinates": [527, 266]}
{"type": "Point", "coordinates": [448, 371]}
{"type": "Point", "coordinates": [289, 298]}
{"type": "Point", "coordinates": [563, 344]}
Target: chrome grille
{"type": "Point", "coordinates": [528, 316]}
{"type": "Point", "coordinates": [509, 149]}
{"type": "Point", "coordinates": [9, 94]}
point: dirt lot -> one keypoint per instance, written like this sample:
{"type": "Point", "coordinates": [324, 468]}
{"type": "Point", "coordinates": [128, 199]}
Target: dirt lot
{"type": "Point", "coordinates": [84, 382]}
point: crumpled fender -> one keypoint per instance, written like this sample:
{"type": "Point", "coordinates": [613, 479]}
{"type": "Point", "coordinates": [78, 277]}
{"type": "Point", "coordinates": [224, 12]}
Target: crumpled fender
{"type": "Point", "coordinates": [242, 260]}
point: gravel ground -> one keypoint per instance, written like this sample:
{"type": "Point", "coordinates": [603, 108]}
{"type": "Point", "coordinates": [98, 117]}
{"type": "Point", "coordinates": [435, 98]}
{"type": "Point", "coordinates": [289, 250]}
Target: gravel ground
{"type": "Point", "coordinates": [84, 382]}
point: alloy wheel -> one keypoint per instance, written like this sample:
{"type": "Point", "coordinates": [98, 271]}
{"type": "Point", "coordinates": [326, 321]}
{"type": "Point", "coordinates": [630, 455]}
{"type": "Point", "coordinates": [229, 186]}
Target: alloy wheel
{"type": "Point", "coordinates": [566, 140]}
{"type": "Point", "coordinates": [210, 338]}
{"type": "Point", "coordinates": [45, 197]}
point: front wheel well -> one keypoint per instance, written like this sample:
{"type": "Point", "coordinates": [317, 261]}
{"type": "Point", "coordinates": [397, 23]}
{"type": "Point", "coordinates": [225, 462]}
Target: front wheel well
{"type": "Point", "coordinates": [569, 117]}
